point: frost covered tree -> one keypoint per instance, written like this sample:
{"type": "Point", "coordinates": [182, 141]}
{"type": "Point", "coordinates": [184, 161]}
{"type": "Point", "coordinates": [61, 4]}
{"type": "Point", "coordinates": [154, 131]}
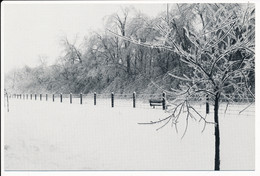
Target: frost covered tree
{"type": "Point", "coordinates": [218, 46]}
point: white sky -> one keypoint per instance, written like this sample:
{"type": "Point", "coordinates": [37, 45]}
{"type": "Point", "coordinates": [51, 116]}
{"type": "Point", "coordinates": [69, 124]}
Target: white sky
{"type": "Point", "coordinates": [31, 30]}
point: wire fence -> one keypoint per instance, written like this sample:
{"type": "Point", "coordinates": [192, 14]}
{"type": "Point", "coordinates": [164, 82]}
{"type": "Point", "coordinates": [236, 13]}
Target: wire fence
{"type": "Point", "coordinates": [238, 106]}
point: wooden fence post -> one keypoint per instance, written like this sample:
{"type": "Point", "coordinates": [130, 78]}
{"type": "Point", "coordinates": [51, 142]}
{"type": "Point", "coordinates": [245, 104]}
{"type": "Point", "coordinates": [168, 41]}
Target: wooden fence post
{"type": "Point", "coordinates": [80, 98]}
{"type": "Point", "coordinates": [46, 97]}
{"type": "Point", "coordinates": [27, 96]}
{"type": "Point", "coordinates": [53, 97]}
{"type": "Point", "coordinates": [112, 99]}
{"type": "Point", "coordinates": [31, 96]}
{"type": "Point", "coordinates": [134, 97]}
{"type": "Point", "coordinates": [35, 96]}
{"type": "Point", "coordinates": [95, 98]}
{"type": "Point", "coordinates": [40, 97]}
{"type": "Point", "coordinates": [61, 97]}
{"type": "Point", "coordinates": [164, 101]}
{"type": "Point", "coordinates": [70, 98]}
{"type": "Point", "coordinates": [207, 104]}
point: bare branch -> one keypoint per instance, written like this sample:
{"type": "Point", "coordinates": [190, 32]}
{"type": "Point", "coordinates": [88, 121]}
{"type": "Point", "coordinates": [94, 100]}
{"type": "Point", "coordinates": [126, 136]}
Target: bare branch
{"type": "Point", "coordinates": [246, 108]}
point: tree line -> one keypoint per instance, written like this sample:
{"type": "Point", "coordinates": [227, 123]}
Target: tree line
{"type": "Point", "coordinates": [104, 62]}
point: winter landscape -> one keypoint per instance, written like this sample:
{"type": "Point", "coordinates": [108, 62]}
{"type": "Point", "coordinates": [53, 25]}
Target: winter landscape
{"type": "Point", "coordinates": [132, 87]}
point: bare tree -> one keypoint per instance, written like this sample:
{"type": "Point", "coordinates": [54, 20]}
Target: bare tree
{"type": "Point", "coordinates": [221, 54]}
{"type": "Point", "coordinates": [71, 51]}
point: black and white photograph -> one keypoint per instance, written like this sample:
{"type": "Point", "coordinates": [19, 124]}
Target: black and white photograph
{"type": "Point", "coordinates": [128, 86]}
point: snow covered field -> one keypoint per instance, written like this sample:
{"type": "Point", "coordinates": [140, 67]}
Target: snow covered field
{"type": "Point", "coordinates": [40, 135]}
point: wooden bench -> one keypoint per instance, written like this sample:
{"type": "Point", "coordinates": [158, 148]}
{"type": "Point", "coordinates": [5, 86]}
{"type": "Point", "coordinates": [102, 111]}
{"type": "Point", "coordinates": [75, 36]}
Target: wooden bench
{"type": "Point", "coordinates": [157, 102]}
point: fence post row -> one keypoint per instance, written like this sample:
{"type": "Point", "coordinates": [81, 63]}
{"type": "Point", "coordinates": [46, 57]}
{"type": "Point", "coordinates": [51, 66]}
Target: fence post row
{"type": "Point", "coordinates": [80, 98]}
{"type": "Point", "coordinates": [112, 99]}
{"type": "Point", "coordinates": [164, 101]}
{"type": "Point", "coordinates": [26, 96]}
{"type": "Point", "coordinates": [134, 97]}
{"type": "Point", "coordinates": [95, 98]}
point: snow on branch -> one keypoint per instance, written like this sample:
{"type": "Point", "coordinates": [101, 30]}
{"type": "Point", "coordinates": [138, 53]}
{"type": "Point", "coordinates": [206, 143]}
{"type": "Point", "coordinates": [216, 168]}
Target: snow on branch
{"type": "Point", "coordinates": [146, 44]}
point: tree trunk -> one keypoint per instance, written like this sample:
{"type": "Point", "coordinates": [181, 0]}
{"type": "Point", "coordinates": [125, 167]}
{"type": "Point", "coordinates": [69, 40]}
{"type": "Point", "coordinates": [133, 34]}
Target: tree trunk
{"type": "Point", "coordinates": [128, 65]}
{"type": "Point", "coordinates": [217, 135]}
{"type": "Point", "coordinates": [135, 66]}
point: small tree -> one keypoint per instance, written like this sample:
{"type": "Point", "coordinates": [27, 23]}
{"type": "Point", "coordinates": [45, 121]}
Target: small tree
{"type": "Point", "coordinates": [221, 54]}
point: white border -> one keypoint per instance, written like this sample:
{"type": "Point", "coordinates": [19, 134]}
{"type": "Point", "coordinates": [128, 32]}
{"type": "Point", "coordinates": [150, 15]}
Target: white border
{"type": "Point", "coordinates": [129, 173]}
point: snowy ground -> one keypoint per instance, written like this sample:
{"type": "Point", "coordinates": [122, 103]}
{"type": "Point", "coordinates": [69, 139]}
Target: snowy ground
{"type": "Point", "coordinates": [40, 135]}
